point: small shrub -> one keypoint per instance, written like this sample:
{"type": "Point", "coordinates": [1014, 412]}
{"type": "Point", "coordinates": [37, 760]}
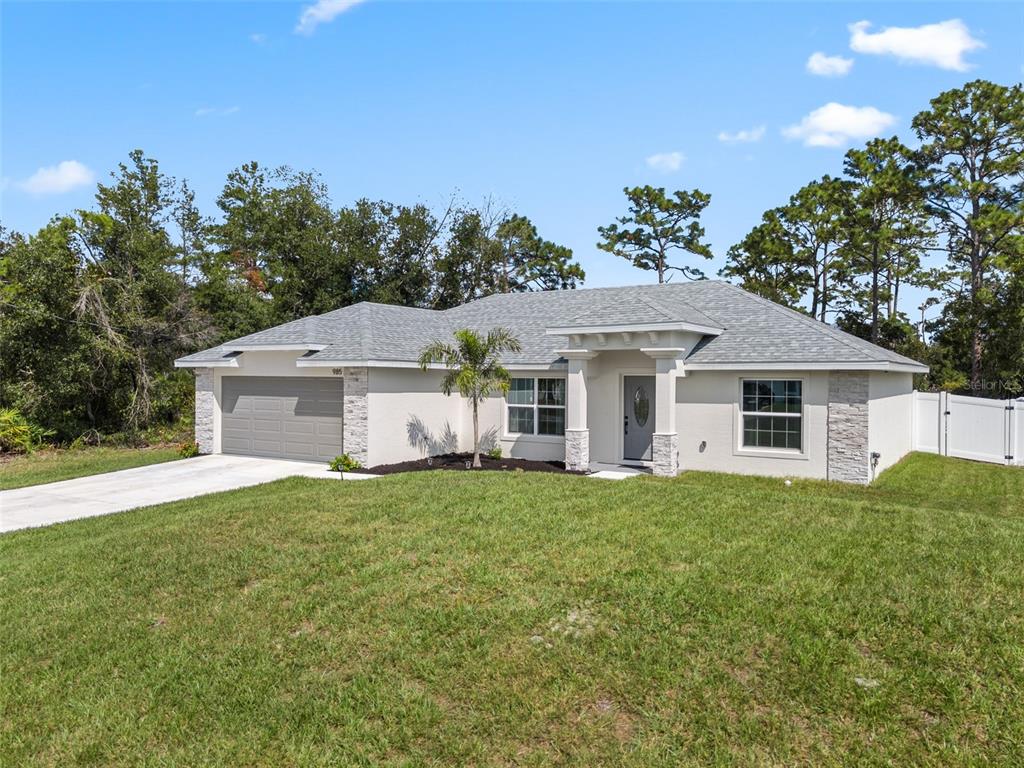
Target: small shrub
{"type": "Point", "coordinates": [188, 450]}
{"type": "Point", "coordinates": [17, 434]}
{"type": "Point", "coordinates": [88, 439]}
{"type": "Point", "coordinates": [494, 453]}
{"type": "Point", "coordinates": [163, 433]}
{"type": "Point", "coordinates": [344, 463]}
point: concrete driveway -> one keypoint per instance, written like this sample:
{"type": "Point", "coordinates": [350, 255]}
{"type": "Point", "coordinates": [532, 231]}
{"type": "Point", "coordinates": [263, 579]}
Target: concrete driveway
{"type": "Point", "coordinates": [143, 486]}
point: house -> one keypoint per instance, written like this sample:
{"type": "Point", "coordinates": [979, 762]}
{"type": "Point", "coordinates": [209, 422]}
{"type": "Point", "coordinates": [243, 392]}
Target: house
{"type": "Point", "coordinates": [699, 375]}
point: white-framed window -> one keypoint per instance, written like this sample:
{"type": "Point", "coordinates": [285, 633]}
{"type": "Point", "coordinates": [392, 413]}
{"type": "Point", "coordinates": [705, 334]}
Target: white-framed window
{"type": "Point", "coordinates": [536, 406]}
{"type": "Point", "coordinates": [772, 414]}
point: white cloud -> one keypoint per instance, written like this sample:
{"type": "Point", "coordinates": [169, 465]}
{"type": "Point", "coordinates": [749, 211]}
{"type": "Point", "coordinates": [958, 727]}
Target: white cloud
{"type": "Point", "coordinates": [828, 66]}
{"type": "Point", "coordinates": [207, 111]}
{"type": "Point", "coordinates": [941, 45]}
{"type": "Point", "coordinates": [57, 179]}
{"type": "Point", "coordinates": [258, 37]}
{"type": "Point", "coordinates": [322, 12]}
{"type": "Point", "coordinates": [834, 125]}
{"type": "Point", "coordinates": [666, 162]}
{"type": "Point", "coordinates": [746, 136]}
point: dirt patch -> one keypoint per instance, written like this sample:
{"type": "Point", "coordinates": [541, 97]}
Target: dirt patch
{"type": "Point", "coordinates": [457, 461]}
{"type": "Point", "coordinates": [623, 724]}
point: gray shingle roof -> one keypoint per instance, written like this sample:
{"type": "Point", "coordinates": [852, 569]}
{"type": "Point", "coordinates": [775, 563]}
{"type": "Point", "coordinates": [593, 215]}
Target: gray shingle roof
{"type": "Point", "coordinates": [754, 330]}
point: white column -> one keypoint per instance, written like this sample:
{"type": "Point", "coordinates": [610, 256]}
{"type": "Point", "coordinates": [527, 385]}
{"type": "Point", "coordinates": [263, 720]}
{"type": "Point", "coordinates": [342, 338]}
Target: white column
{"type": "Point", "coordinates": [577, 432]}
{"type": "Point", "coordinates": [576, 395]}
{"type": "Point", "coordinates": [668, 364]}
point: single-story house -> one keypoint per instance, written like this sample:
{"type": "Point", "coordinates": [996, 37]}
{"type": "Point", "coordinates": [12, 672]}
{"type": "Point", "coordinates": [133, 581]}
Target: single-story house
{"type": "Point", "coordinates": [698, 375]}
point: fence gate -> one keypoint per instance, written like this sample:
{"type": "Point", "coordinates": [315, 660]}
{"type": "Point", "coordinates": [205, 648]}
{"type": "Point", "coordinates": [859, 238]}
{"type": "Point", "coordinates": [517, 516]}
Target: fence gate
{"type": "Point", "coordinates": [969, 427]}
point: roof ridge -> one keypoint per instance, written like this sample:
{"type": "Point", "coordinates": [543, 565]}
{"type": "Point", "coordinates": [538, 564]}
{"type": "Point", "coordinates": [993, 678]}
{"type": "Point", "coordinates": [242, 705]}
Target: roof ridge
{"type": "Point", "coordinates": [585, 289]}
{"type": "Point", "coordinates": [714, 321]}
{"type": "Point", "coordinates": [366, 335]}
{"type": "Point", "coordinates": [398, 306]}
{"type": "Point", "coordinates": [657, 307]}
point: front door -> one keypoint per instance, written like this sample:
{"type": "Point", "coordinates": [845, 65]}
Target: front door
{"type": "Point", "coordinates": [638, 424]}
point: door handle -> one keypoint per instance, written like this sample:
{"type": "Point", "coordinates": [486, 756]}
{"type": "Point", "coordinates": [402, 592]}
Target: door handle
{"type": "Point", "coordinates": [625, 425]}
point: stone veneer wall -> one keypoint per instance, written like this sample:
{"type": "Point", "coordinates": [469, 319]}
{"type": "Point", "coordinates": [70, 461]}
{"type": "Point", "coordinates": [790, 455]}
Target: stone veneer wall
{"type": "Point", "coordinates": [355, 414]}
{"type": "Point", "coordinates": [848, 459]}
{"type": "Point", "coordinates": [577, 449]}
{"type": "Point", "coordinates": [666, 454]}
{"type": "Point", "coordinates": [205, 405]}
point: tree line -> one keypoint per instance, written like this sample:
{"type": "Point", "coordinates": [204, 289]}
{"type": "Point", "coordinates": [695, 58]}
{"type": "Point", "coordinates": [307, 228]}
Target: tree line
{"type": "Point", "coordinates": [96, 305]}
{"type": "Point", "coordinates": [946, 215]}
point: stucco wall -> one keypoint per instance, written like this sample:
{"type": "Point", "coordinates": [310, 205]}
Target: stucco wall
{"type": "Point", "coordinates": [708, 412]}
{"type": "Point", "coordinates": [537, 447]}
{"type": "Point", "coordinates": [890, 417]}
{"type": "Point", "coordinates": [409, 416]}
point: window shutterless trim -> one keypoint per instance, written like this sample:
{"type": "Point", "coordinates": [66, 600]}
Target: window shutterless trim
{"type": "Point", "coordinates": [536, 406]}
{"type": "Point", "coordinates": [769, 450]}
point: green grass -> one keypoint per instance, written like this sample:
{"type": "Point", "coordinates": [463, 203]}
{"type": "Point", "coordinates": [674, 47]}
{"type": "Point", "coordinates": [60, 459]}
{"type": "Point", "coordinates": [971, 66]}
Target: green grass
{"type": "Point", "coordinates": [462, 619]}
{"type": "Point", "coordinates": [49, 466]}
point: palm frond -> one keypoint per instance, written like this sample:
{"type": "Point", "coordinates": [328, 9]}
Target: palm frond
{"type": "Point", "coordinates": [437, 352]}
{"type": "Point", "coordinates": [501, 340]}
{"type": "Point", "coordinates": [473, 362]}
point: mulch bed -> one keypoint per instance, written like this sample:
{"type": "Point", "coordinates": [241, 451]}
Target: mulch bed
{"type": "Point", "coordinates": [456, 461]}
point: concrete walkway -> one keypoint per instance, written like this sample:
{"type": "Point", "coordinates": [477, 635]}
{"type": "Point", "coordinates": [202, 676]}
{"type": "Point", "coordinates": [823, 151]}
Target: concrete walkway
{"type": "Point", "coordinates": [604, 471]}
{"type": "Point", "coordinates": [143, 486]}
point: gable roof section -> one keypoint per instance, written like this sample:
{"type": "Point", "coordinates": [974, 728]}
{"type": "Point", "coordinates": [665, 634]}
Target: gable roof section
{"type": "Point", "coordinates": [744, 330]}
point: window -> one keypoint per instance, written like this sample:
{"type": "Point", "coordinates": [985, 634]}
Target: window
{"type": "Point", "coordinates": [772, 411]}
{"type": "Point", "coordinates": [536, 407]}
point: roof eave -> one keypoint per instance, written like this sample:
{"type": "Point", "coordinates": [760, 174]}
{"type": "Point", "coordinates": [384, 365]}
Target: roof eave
{"type": "Point", "coordinates": [791, 365]}
{"type": "Point", "coordinates": [313, 362]}
{"type": "Point", "coordinates": [272, 347]}
{"type": "Point", "coordinates": [182, 363]}
{"type": "Point", "coordinates": [571, 330]}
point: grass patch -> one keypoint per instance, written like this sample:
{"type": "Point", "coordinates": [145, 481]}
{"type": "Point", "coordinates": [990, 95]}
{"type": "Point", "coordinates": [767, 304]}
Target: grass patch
{"type": "Point", "coordinates": [49, 466]}
{"type": "Point", "coordinates": [485, 618]}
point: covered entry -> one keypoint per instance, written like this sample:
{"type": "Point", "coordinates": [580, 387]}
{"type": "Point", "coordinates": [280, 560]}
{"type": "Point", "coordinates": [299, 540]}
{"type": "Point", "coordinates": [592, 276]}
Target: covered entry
{"type": "Point", "coordinates": [282, 416]}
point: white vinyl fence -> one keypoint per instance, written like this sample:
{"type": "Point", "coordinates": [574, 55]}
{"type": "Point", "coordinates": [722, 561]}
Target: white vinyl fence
{"type": "Point", "coordinates": [969, 427]}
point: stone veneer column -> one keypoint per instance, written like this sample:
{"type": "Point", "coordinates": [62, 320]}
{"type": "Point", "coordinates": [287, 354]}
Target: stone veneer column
{"type": "Point", "coordinates": [577, 450]}
{"type": "Point", "coordinates": [355, 431]}
{"type": "Point", "coordinates": [848, 459]}
{"type": "Point", "coordinates": [666, 454]}
{"type": "Point", "coordinates": [205, 405]}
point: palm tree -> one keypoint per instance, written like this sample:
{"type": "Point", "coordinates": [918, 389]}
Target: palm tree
{"type": "Point", "coordinates": [473, 368]}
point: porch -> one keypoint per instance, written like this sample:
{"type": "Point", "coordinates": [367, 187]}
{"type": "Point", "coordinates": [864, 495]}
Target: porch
{"type": "Point", "coordinates": [621, 397]}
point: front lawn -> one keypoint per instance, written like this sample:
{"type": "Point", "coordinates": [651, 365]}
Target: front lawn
{"type": "Point", "coordinates": [49, 466]}
{"type": "Point", "coordinates": [457, 619]}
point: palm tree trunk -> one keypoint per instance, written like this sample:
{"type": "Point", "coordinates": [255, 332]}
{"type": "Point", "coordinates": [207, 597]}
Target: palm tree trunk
{"type": "Point", "coordinates": [476, 437]}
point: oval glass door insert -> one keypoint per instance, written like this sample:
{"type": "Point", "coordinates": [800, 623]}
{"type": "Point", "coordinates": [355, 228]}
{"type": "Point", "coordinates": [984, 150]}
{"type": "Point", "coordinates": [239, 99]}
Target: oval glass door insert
{"type": "Point", "coordinates": [641, 406]}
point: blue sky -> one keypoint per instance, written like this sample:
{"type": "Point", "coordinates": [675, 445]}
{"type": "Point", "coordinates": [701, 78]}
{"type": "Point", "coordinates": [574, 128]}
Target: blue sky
{"type": "Point", "coordinates": [551, 108]}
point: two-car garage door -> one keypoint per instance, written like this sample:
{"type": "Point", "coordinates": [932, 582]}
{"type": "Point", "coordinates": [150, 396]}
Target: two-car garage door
{"type": "Point", "coordinates": [280, 416]}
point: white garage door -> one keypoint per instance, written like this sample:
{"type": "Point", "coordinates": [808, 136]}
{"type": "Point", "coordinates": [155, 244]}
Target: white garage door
{"type": "Point", "coordinates": [286, 417]}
